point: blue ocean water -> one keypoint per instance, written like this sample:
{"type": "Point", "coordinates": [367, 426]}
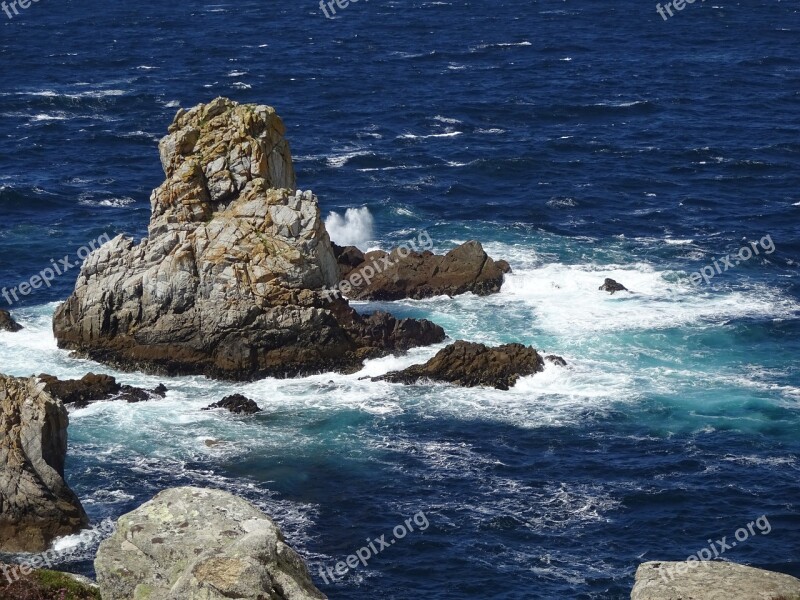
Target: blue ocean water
{"type": "Point", "coordinates": [577, 139]}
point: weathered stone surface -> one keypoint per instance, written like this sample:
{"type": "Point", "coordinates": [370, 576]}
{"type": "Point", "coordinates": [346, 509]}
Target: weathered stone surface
{"type": "Point", "coordinates": [711, 580]}
{"type": "Point", "coordinates": [470, 365]}
{"type": "Point", "coordinates": [44, 584]}
{"type": "Point", "coordinates": [7, 323]}
{"type": "Point", "coordinates": [192, 544]}
{"type": "Point", "coordinates": [401, 274]}
{"type": "Point", "coordinates": [36, 505]}
{"type": "Point", "coordinates": [93, 388]}
{"type": "Point", "coordinates": [612, 286]}
{"type": "Point", "coordinates": [237, 404]}
{"type": "Point", "coordinates": [229, 282]}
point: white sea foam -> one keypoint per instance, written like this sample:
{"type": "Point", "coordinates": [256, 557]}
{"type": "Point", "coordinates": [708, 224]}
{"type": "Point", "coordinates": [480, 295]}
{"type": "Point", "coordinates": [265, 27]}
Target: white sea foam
{"type": "Point", "coordinates": [355, 228]}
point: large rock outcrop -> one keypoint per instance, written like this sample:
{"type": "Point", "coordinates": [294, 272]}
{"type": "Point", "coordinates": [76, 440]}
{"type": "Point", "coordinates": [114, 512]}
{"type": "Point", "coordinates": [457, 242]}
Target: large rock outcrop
{"type": "Point", "coordinates": [469, 364]}
{"type": "Point", "coordinates": [191, 544]}
{"type": "Point", "coordinates": [229, 282]}
{"type": "Point", "coordinates": [711, 580]}
{"type": "Point", "coordinates": [406, 273]}
{"type": "Point", "coordinates": [36, 505]}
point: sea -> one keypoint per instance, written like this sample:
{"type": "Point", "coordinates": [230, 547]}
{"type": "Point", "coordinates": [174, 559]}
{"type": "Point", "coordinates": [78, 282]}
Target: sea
{"type": "Point", "coordinates": [576, 139]}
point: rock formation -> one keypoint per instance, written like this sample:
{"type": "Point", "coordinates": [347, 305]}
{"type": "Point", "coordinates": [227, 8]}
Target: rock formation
{"type": "Point", "coordinates": [36, 505]}
{"type": "Point", "coordinates": [237, 404]}
{"type": "Point", "coordinates": [199, 543]}
{"type": "Point", "coordinates": [229, 282]}
{"type": "Point", "coordinates": [711, 580]}
{"type": "Point", "coordinates": [612, 286]}
{"type": "Point", "coordinates": [7, 323]}
{"type": "Point", "coordinates": [404, 273]}
{"type": "Point", "coordinates": [470, 365]}
{"type": "Point", "coordinates": [93, 388]}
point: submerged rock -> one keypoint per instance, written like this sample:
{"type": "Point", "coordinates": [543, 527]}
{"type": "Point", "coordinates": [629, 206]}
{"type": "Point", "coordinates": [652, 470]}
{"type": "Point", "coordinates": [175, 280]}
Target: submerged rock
{"type": "Point", "coordinates": [237, 404]}
{"type": "Point", "coordinates": [711, 580]}
{"type": "Point", "coordinates": [556, 360]}
{"type": "Point", "coordinates": [93, 388]}
{"type": "Point", "coordinates": [612, 286]}
{"type": "Point", "coordinates": [36, 504]}
{"type": "Point", "coordinates": [7, 323]}
{"type": "Point", "coordinates": [199, 543]}
{"type": "Point", "coordinates": [470, 365]}
{"type": "Point", "coordinates": [404, 273]}
{"type": "Point", "coordinates": [230, 281]}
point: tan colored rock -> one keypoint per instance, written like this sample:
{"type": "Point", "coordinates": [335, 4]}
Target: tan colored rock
{"type": "Point", "coordinates": [200, 544]}
{"type": "Point", "coordinates": [229, 283]}
{"type": "Point", "coordinates": [36, 505]}
{"type": "Point", "coordinates": [711, 580]}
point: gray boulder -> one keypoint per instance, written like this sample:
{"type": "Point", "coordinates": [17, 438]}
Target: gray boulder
{"type": "Point", "coordinates": [198, 544]}
{"type": "Point", "coordinates": [711, 580]}
{"type": "Point", "coordinates": [36, 505]}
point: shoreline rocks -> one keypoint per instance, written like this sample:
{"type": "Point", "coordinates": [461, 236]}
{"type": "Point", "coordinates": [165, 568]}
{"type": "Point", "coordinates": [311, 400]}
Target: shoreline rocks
{"type": "Point", "coordinates": [711, 580]}
{"type": "Point", "coordinates": [229, 283]}
{"type": "Point", "coordinates": [7, 323]}
{"type": "Point", "coordinates": [200, 543]}
{"type": "Point", "coordinates": [36, 504]}
{"type": "Point", "coordinates": [468, 364]}
{"type": "Point", "coordinates": [94, 388]}
{"type": "Point", "coordinates": [403, 273]}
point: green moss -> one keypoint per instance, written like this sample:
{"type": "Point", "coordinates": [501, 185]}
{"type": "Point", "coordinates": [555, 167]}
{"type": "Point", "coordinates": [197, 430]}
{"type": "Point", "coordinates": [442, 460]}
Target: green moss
{"type": "Point", "coordinates": [58, 585]}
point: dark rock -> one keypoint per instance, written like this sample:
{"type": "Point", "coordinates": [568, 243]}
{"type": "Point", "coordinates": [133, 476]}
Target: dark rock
{"type": "Point", "coordinates": [36, 505]}
{"type": "Point", "coordinates": [556, 360]}
{"type": "Point", "coordinates": [160, 390]}
{"type": "Point", "coordinates": [470, 365]}
{"type": "Point", "coordinates": [407, 274]}
{"type": "Point", "coordinates": [94, 388]}
{"type": "Point", "coordinates": [348, 258]}
{"type": "Point", "coordinates": [231, 281]}
{"type": "Point", "coordinates": [237, 404]}
{"type": "Point", "coordinates": [7, 323]}
{"type": "Point", "coordinates": [612, 286]}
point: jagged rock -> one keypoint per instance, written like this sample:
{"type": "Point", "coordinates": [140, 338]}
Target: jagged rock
{"type": "Point", "coordinates": [711, 580]}
{"type": "Point", "coordinates": [36, 505]}
{"type": "Point", "coordinates": [612, 286]}
{"type": "Point", "coordinates": [403, 273]}
{"type": "Point", "coordinates": [230, 281]}
{"type": "Point", "coordinates": [197, 543]}
{"type": "Point", "coordinates": [93, 388]}
{"type": "Point", "coordinates": [556, 360]}
{"type": "Point", "coordinates": [470, 365]}
{"type": "Point", "coordinates": [237, 404]}
{"type": "Point", "coordinates": [7, 323]}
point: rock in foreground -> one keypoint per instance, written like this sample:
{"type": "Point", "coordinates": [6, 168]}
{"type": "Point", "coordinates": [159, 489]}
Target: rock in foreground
{"type": "Point", "coordinates": [7, 323]}
{"type": "Point", "coordinates": [229, 282]}
{"type": "Point", "coordinates": [711, 580]}
{"type": "Point", "coordinates": [237, 404]}
{"type": "Point", "coordinates": [404, 273]}
{"type": "Point", "coordinates": [470, 365]}
{"type": "Point", "coordinates": [611, 286]}
{"type": "Point", "coordinates": [36, 505]}
{"type": "Point", "coordinates": [198, 543]}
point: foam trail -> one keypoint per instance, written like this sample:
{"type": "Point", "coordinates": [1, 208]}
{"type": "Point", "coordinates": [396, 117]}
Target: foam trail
{"type": "Point", "coordinates": [354, 229]}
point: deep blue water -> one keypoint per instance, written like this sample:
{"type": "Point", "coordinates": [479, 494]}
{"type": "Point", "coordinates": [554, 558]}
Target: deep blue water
{"type": "Point", "coordinates": [577, 139]}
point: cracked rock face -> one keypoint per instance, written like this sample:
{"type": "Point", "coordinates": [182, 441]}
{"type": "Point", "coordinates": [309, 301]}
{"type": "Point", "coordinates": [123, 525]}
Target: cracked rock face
{"type": "Point", "coordinates": [191, 543]}
{"type": "Point", "coordinates": [36, 505]}
{"type": "Point", "coordinates": [229, 282]}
